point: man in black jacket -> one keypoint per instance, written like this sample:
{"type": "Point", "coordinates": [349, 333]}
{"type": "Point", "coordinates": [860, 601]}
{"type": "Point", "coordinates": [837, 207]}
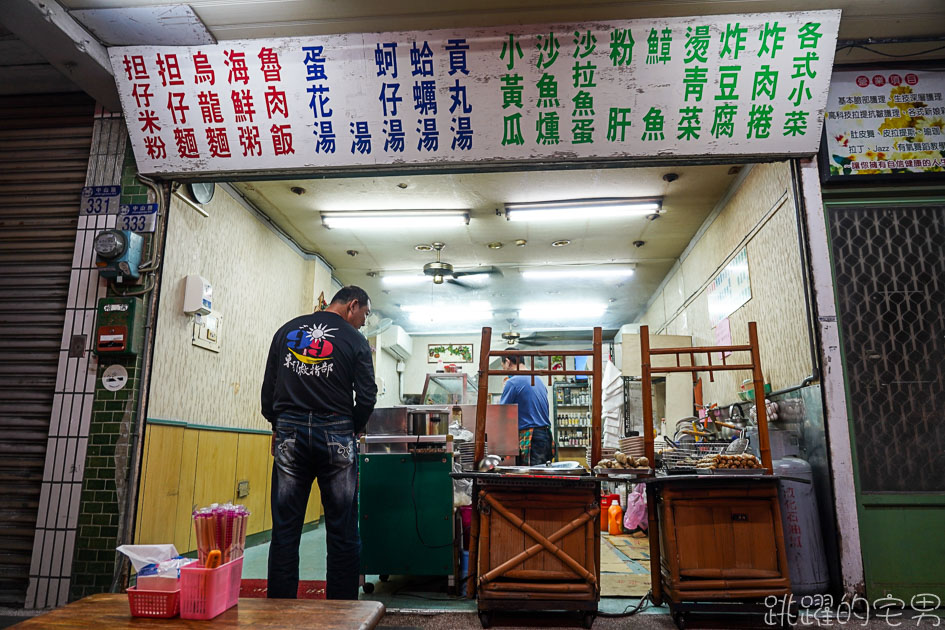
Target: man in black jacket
{"type": "Point", "coordinates": [318, 393]}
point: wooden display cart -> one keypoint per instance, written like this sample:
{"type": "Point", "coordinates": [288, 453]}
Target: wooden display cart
{"type": "Point", "coordinates": [535, 540]}
{"type": "Point", "coordinates": [713, 538]}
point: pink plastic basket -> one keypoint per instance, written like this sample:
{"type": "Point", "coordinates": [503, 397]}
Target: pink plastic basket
{"type": "Point", "coordinates": [205, 593]}
{"type": "Point", "coordinates": [160, 604]}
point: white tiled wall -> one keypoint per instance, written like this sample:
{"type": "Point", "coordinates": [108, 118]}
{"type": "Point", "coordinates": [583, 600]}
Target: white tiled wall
{"type": "Point", "coordinates": [56, 523]}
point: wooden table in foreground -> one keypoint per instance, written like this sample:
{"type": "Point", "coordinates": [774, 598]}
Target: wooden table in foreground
{"type": "Point", "coordinates": [110, 610]}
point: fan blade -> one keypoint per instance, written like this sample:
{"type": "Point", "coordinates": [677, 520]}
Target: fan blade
{"type": "Point", "coordinates": [525, 341]}
{"type": "Point", "coordinates": [492, 271]}
{"type": "Point", "coordinates": [468, 287]}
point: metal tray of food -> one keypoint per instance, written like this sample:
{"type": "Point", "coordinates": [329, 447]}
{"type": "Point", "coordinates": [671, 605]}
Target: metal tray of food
{"type": "Point", "coordinates": [612, 472]}
{"type": "Point", "coordinates": [541, 470]}
{"type": "Point", "coordinates": [757, 472]}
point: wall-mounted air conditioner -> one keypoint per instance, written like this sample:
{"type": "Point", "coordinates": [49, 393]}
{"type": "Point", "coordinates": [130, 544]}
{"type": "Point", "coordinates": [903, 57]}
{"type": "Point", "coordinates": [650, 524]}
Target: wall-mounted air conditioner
{"type": "Point", "coordinates": [397, 342]}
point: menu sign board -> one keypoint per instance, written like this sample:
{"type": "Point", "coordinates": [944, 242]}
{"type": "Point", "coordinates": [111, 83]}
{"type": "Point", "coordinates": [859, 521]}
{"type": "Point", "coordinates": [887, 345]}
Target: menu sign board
{"type": "Point", "coordinates": [720, 86]}
{"type": "Point", "coordinates": [885, 122]}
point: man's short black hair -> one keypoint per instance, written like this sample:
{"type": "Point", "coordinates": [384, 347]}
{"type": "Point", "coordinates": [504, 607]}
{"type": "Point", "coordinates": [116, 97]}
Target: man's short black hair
{"type": "Point", "coordinates": [515, 360]}
{"type": "Point", "coordinates": [351, 292]}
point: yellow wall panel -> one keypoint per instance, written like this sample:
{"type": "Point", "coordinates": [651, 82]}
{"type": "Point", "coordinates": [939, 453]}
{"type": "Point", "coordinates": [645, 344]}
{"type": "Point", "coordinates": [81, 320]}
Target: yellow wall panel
{"type": "Point", "coordinates": [142, 486]}
{"type": "Point", "coordinates": [159, 496]}
{"type": "Point", "coordinates": [251, 466]}
{"type": "Point", "coordinates": [215, 481]}
{"type": "Point", "coordinates": [184, 531]}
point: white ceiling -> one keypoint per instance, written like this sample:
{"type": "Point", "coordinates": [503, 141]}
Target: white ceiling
{"type": "Point", "coordinates": [686, 204]}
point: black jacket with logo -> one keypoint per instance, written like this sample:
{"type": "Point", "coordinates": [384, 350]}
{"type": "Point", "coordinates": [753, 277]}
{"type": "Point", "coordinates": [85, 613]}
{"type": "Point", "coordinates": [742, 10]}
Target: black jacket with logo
{"type": "Point", "coordinates": [315, 363]}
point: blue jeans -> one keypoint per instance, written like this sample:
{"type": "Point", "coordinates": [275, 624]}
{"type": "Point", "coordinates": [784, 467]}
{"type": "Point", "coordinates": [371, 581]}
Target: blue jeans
{"type": "Point", "coordinates": [309, 447]}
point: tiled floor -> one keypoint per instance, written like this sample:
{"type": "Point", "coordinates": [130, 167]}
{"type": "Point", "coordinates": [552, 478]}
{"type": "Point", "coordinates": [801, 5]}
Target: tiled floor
{"type": "Point", "coordinates": [624, 577]}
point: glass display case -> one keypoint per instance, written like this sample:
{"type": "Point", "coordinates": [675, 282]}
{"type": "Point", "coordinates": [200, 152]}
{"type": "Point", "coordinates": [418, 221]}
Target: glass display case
{"type": "Point", "coordinates": [445, 388]}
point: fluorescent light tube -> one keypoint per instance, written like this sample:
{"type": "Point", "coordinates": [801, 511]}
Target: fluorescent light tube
{"type": "Point", "coordinates": [558, 311]}
{"type": "Point", "coordinates": [404, 280]}
{"type": "Point", "coordinates": [425, 313]}
{"type": "Point", "coordinates": [578, 272]}
{"type": "Point", "coordinates": [395, 219]}
{"type": "Point", "coordinates": [579, 209]}
{"type": "Point", "coordinates": [475, 305]}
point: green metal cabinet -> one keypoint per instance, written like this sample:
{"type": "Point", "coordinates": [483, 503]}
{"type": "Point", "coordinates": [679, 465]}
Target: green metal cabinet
{"type": "Point", "coordinates": [406, 513]}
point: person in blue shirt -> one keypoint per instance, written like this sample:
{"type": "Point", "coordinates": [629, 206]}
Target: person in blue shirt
{"type": "Point", "coordinates": [534, 427]}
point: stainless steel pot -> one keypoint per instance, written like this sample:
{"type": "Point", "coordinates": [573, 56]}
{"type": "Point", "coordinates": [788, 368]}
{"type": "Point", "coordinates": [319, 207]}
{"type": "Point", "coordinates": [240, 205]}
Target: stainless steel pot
{"type": "Point", "coordinates": [428, 422]}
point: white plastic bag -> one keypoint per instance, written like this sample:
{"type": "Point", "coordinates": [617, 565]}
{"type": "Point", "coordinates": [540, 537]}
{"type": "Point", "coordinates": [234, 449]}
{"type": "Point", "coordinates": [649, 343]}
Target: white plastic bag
{"type": "Point", "coordinates": [143, 555]}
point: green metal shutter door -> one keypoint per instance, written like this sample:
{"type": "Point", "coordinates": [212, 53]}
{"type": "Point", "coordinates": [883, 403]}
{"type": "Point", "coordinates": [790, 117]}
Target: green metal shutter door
{"type": "Point", "coordinates": [44, 154]}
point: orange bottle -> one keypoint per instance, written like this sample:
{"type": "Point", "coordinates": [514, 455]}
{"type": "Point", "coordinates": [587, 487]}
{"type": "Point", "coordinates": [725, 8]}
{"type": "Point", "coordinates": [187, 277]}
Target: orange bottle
{"type": "Point", "coordinates": [615, 514]}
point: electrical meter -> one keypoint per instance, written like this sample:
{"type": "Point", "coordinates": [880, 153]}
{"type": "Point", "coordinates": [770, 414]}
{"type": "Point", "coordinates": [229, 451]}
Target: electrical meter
{"type": "Point", "coordinates": [118, 254]}
{"type": "Point", "coordinates": [119, 326]}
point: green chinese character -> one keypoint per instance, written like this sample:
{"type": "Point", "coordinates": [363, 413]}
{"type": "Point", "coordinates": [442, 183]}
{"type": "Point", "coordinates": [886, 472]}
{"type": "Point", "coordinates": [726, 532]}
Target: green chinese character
{"type": "Point", "coordinates": [583, 131]}
{"type": "Point", "coordinates": [621, 47]}
{"type": "Point", "coordinates": [618, 121]}
{"type": "Point", "coordinates": [511, 47]}
{"type": "Point", "coordinates": [728, 80]}
{"type": "Point", "coordinates": [654, 125]}
{"type": "Point", "coordinates": [584, 44]}
{"type": "Point", "coordinates": [803, 71]}
{"type": "Point", "coordinates": [653, 47]}
{"type": "Point", "coordinates": [796, 123]}
{"type": "Point", "coordinates": [799, 93]}
{"type": "Point", "coordinates": [547, 50]}
{"type": "Point", "coordinates": [697, 44]}
{"type": "Point", "coordinates": [759, 121]}
{"type": "Point", "coordinates": [689, 124]}
{"type": "Point", "coordinates": [584, 75]}
{"type": "Point", "coordinates": [723, 123]}
{"type": "Point", "coordinates": [548, 91]}
{"type": "Point", "coordinates": [733, 40]}
{"type": "Point", "coordinates": [776, 34]}
{"type": "Point", "coordinates": [802, 65]}
{"type": "Point", "coordinates": [666, 39]}
{"type": "Point", "coordinates": [583, 104]}
{"type": "Point", "coordinates": [766, 82]}
{"type": "Point", "coordinates": [694, 81]}
{"type": "Point", "coordinates": [547, 126]}
{"type": "Point", "coordinates": [512, 133]}
{"type": "Point", "coordinates": [809, 35]}
{"type": "Point", "coordinates": [511, 90]}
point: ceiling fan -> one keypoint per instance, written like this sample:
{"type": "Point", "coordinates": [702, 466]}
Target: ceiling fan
{"type": "Point", "coordinates": [440, 270]}
{"type": "Point", "coordinates": [513, 337]}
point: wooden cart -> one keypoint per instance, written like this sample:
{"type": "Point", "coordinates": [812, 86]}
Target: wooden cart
{"type": "Point", "coordinates": [719, 537]}
{"type": "Point", "coordinates": [535, 540]}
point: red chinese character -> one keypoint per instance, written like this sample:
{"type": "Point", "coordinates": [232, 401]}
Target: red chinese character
{"type": "Point", "coordinates": [135, 68]}
{"type": "Point", "coordinates": [282, 139]}
{"type": "Point", "coordinates": [142, 92]}
{"type": "Point", "coordinates": [179, 108]}
{"type": "Point", "coordinates": [243, 105]}
{"type": "Point", "coordinates": [169, 70]}
{"type": "Point", "coordinates": [275, 102]}
{"type": "Point", "coordinates": [237, 63]}
{"type": "Point", "coordinates": [155, 147]}
{"type": "Point", "coordinates": [249, 141]}
{"type": "Point", "coordinates": [202, 69]}
{"type": "Point", "coordinates": [210, 107]}
{"type": "Point", "coordinates": [218, 141]}
{"type": "Point", "coordinates": [271, 68]}
{"type": "Point", "coordinates": [186, 143]}
{"type": "Point", "coordinates": [150, 121]}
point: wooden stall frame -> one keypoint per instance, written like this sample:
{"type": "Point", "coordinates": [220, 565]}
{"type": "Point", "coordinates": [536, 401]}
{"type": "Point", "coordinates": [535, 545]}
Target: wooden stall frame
{"type": "Point", "coordinates": [648, 437]}
{"type": "Point", "coordinates": [486, 353]}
